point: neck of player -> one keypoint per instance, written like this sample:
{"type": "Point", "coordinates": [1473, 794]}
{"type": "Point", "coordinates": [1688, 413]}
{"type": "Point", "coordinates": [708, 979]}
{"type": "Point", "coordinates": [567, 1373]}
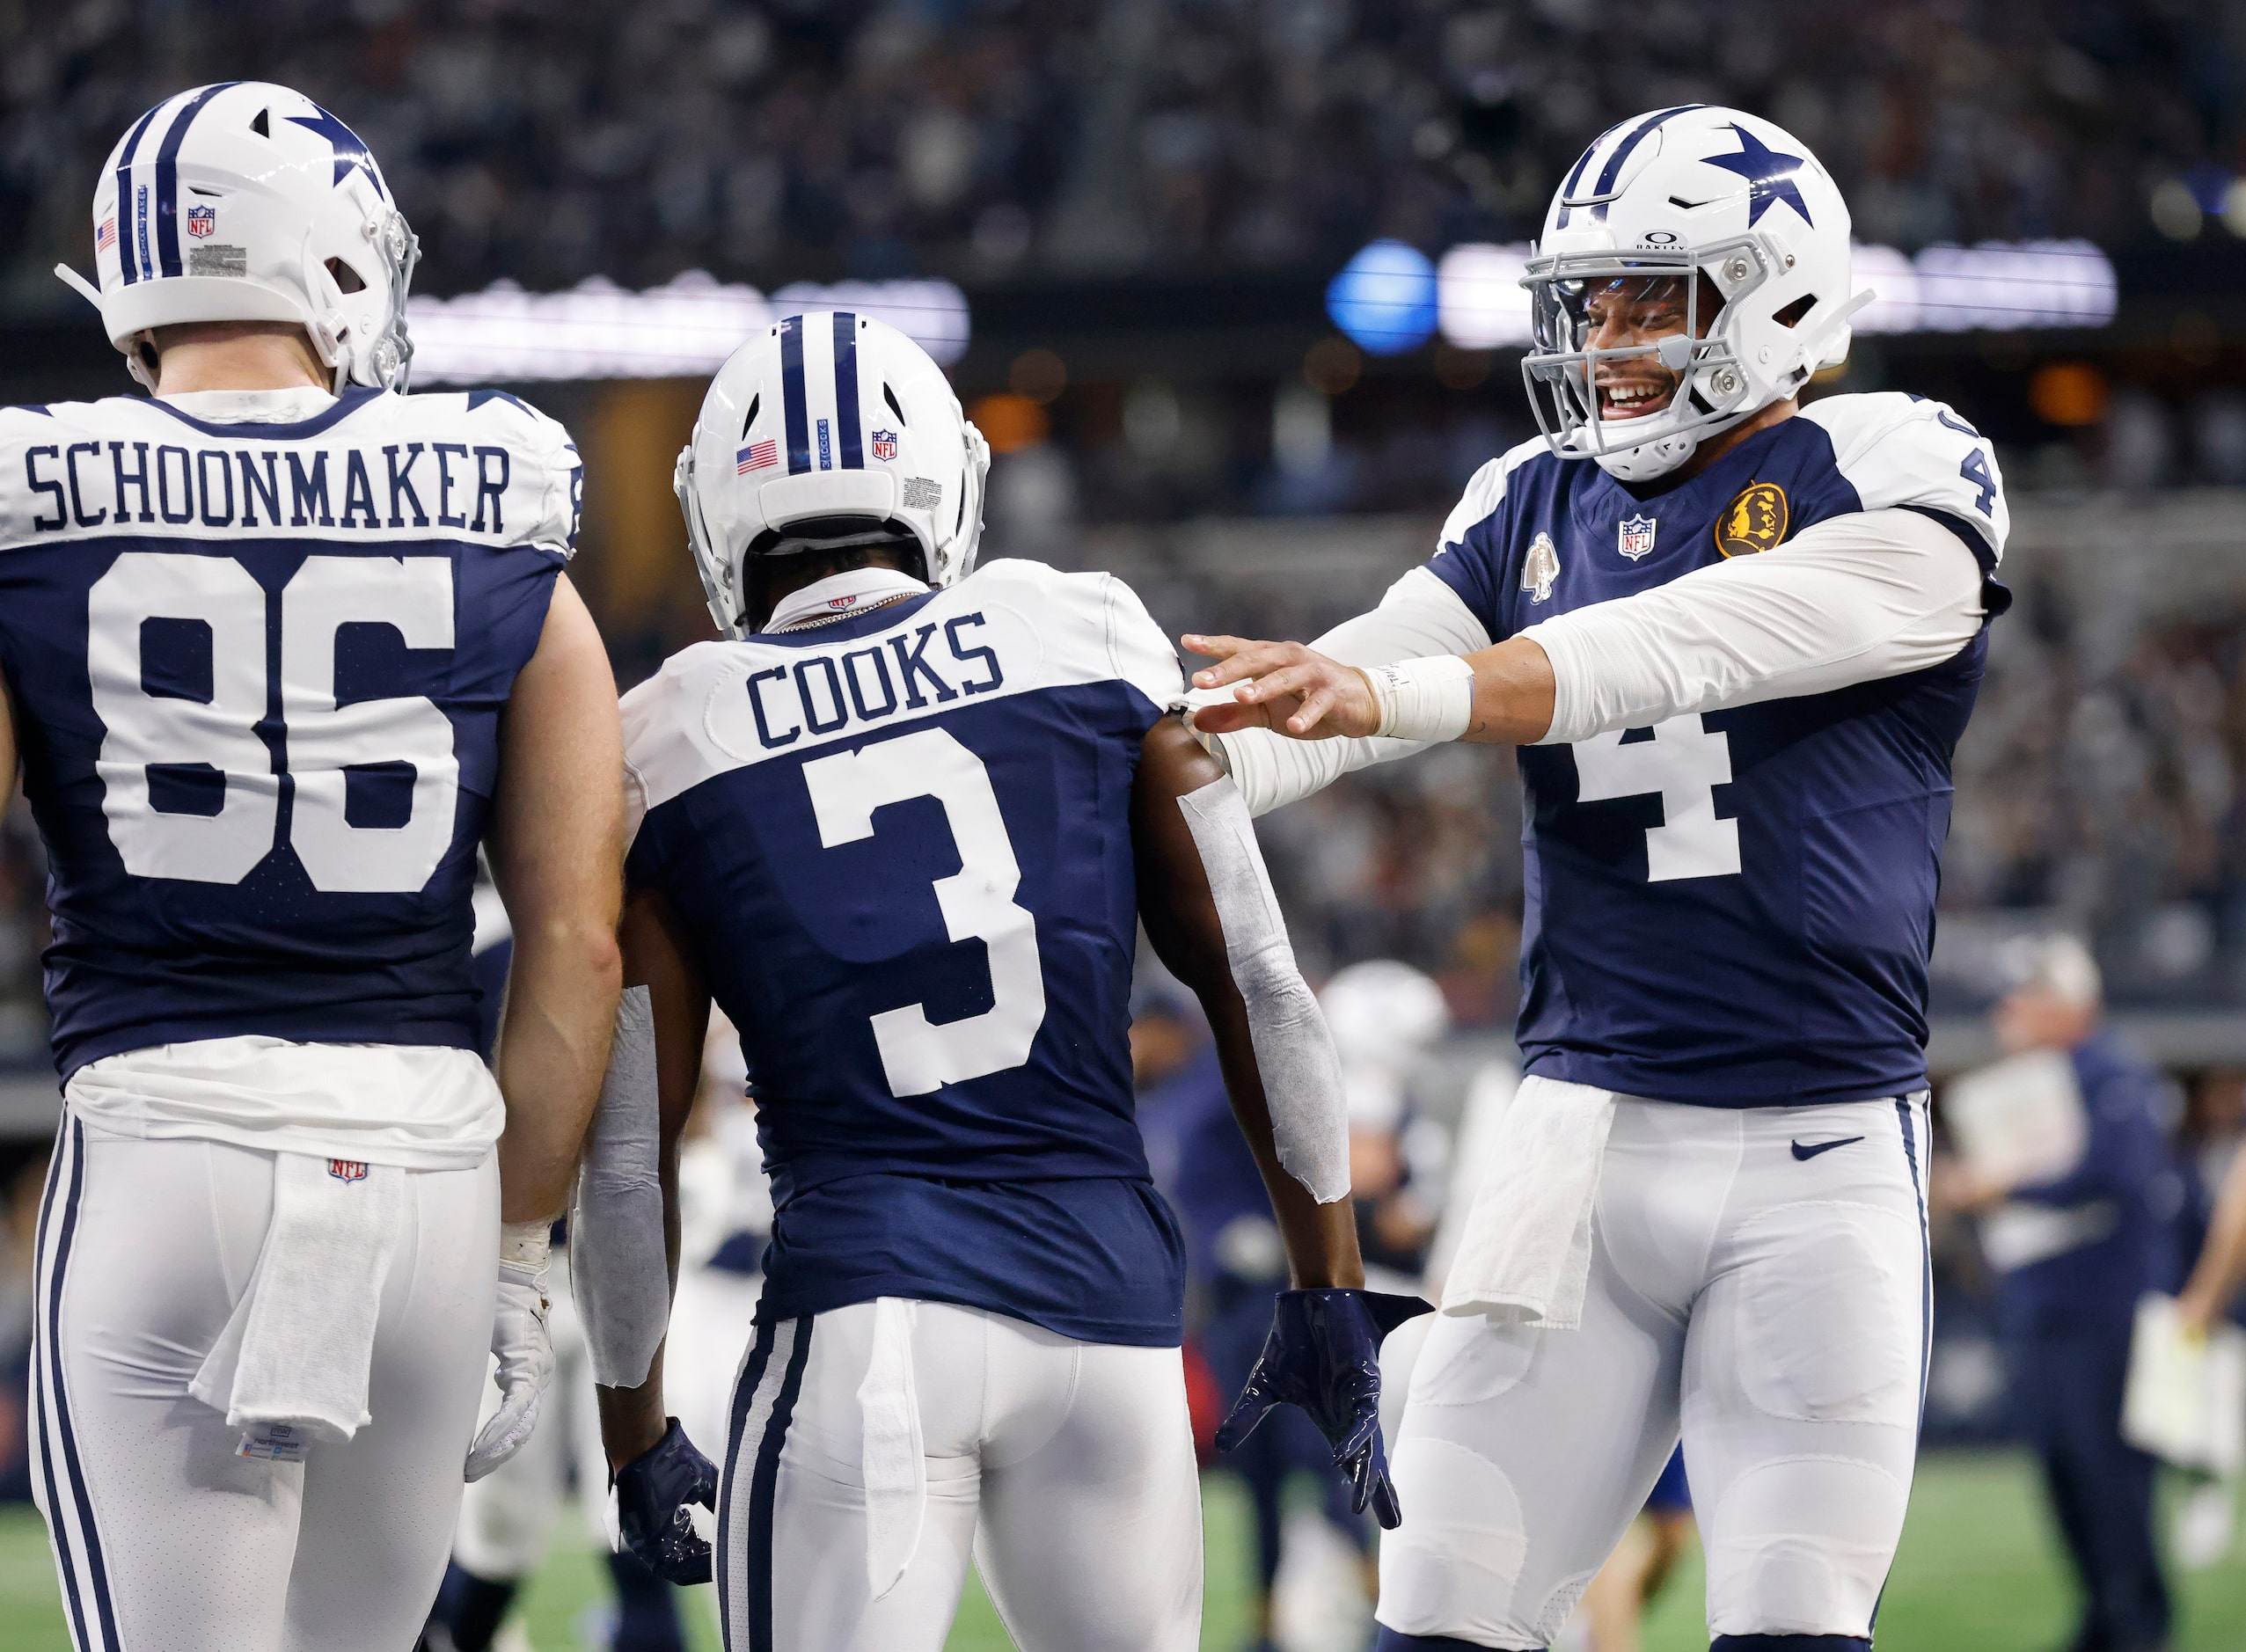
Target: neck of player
{"type": "Point", "coordinates": [239, 356]}
{"type": "Point", "coordinates": [1721, 443]}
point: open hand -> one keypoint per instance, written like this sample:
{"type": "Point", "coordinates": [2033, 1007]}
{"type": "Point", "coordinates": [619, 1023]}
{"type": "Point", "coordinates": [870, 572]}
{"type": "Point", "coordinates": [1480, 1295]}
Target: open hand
{"type": "Point", "coordinates": [1284, 687]}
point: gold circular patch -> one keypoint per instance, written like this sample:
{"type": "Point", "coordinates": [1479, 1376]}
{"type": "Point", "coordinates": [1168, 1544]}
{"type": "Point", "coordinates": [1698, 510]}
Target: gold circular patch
{"type": "Point", "coordinates": [1755, 521]}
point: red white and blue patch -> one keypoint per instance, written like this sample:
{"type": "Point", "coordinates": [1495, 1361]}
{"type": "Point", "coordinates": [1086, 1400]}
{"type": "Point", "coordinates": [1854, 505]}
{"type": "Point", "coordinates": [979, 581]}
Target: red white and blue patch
{"type": "Point", "coordinates": [1637, 535]}
{"type": "Point", "coordinates": [347, 1169]}
{"type": "Point", "coordinates": [885, 444]}
{"type": "Point", "coordinates": [105, 236]}
{"type": "Point", "coordinates": [202, 221]}
{"type": "Point", "coordinates": [757, 456]}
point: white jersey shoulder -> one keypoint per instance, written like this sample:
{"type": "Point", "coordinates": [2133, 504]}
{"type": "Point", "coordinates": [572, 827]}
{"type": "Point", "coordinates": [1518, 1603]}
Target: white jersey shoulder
{"type": "Point", "coordinates": [1010, 627]}
{"type": "Point", "coordinates": [479, 466]}
{"type": "Point", "coordinates": [1485, 492]}
{"type": "Point", "coordinates": [1901, 451]}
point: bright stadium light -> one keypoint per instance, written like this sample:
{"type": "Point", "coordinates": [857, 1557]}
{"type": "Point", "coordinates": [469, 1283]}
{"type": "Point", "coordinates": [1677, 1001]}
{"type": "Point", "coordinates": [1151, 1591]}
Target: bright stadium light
{"type": "Point", "coordinates": [1996, 287]}
{"type": "Point", "coordinates": [1384, 299]}
{"type": "Point", "coordinates": [682, 330]}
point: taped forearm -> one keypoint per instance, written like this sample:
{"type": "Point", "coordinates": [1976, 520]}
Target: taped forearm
{"type": "Point", "coordinates": [1854, 599]}
{"type": "Point", "coordinates": [1294, 1051]}
{"type": "Point", "coordinates": [620, 1266]}
{"type": "Point", "coordinates": [1419, 616]}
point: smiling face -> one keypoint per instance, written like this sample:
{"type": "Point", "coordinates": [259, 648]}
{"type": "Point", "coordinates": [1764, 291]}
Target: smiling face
{"type": "Point", "coordinates": [1634, 312]}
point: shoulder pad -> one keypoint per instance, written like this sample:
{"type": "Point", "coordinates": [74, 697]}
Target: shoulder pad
{"type": "Point", "coordinates": [1485, 492]}
{"type": "Point", "coordinates": [1901, 451]}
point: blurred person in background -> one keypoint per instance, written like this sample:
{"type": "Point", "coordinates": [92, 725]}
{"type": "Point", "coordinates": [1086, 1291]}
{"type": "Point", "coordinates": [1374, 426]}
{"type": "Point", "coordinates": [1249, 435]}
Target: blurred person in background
{"type": "Point", "coordinates": [1385, 1016]}
{"type": "Point", "coordinates": [2216, 1120]}
{"type": "Point", "coordinates": [2070, 1257]}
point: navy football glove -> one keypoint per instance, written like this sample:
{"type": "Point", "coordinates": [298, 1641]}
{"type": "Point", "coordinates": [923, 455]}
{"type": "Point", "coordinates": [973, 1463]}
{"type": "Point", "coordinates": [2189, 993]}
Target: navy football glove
{"type": "Point", "coordinates": [652, 1492]}
{"type": "Point", "coordinates": [1324, 1356]}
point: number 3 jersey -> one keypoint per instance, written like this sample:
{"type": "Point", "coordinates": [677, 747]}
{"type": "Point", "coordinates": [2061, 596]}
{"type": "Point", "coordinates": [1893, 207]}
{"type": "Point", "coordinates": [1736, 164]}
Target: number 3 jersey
{"type": "Point", "coordinates": [898, 845]}
{"type": "Point", "coordinates": [258, 670]}
{"type": "Point", "coordinates": [1735, 908]}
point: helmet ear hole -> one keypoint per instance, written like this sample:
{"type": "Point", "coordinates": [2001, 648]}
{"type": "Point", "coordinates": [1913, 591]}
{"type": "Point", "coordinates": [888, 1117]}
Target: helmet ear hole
{"type": "Point", "coordinates": [890, 396]}
{"type": "Point", "coordinates": [261, 123]}
{"type": "Point", "coordinates": [755, 402]}
{"type": "Point", "coordinates": [348, 280]}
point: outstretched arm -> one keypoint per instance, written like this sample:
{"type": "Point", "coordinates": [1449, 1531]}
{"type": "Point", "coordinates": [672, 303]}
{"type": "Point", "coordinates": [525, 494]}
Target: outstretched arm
{"type": "Point", "coordinates": [2222, 1268]}
{"type": "Point", "coordinates": [1852, 599]}
{"type": "Point", "coordinates": [557, 853]}
{"type": "Point", "coordinates": [1179, 910]}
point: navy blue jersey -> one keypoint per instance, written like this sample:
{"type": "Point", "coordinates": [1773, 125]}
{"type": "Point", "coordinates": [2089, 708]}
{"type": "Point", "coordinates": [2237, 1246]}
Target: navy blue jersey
{"type": "Point", "coordinates": [257, 671]}
{"type": "Point", "coordinates": [1736, 908]}
{"type": "Point", "coordinates": [899, 846]}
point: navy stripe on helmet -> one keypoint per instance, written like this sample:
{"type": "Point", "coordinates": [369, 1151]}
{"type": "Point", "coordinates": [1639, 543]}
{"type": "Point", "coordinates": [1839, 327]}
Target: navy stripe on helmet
{"type": "Point", "coordinates": [764, 1491]}
{"type": "Point", "coordinates": [791, 384]}
{"type": "Point", "coordinates": [98, 1571]}
{"type": "Point", "coordinates": [854, 438]}
{"type": "Point", "coordinates": [1612, 170]}
{"type": "Point", "coordinates": [167, 178]}
{"type": "Point", "coordinates": [125, 217]}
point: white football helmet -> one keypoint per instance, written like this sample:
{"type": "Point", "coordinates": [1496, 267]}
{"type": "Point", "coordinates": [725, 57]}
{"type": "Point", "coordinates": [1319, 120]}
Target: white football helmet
{"type": "Point", "coordinates": [1661, 199]}
{"type": "Point", "coordinates": [247, 201]}
{"type": "Point", "coordinates": [830, 430]}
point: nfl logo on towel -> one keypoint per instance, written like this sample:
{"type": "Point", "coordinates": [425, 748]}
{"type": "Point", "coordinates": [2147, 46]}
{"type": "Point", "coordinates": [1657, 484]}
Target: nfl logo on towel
{"type": "Point", "coordinates": [200, 222]}
{"type": "Point", "coordinates": [1637, 535]}
{"type": "Point", "coordinates": [885, 444]}
{"type": "Point", "coordinates": [347, 1169]}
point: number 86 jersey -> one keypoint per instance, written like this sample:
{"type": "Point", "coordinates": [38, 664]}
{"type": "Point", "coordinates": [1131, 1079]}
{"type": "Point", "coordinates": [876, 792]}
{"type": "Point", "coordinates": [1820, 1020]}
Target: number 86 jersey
{"type": "Point", "coordinates": [258, 669]}
{"type": "Point", "coordinates": [1734, 908]}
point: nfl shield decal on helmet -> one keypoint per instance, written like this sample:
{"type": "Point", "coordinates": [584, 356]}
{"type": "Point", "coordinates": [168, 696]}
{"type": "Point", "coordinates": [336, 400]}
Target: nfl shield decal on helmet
{"type": "Point", "coordinates": [885, 444]}
{"type": "Point", "coordinates": [200, 222]}
{"type": "Point", "coordinates": [1637, 535]}
{"type": "Point", "coordinates": [1541, 569]}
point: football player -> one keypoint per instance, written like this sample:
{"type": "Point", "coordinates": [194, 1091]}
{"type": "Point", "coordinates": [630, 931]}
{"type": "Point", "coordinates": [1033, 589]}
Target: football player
{"type": "Point", "coordinates": [901, 827]}
{"type": "Point", "coordinates": [281, 644]}
{"type": "Point", "coordinates": [1736, 639]}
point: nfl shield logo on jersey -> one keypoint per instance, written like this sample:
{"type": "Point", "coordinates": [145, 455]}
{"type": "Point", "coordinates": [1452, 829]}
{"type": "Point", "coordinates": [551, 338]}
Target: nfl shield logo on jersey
{"type": "Point", "coordinates": [1637, 535]}
{"type": "Point", "coordinates": [200, 222]}
{"type": "Point", "coordinates": [347, 1169]}
{"type": "Point", "coordinates": [885, 444]}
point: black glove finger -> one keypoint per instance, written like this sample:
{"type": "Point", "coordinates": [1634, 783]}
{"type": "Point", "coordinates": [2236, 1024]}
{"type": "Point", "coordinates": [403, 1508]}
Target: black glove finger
{"type": "Point", "coordinates": [1386, 1508]}
{"type": "Point", "coordinates": [690, 1558]}
{"type": "Point", "coordinates": [1248, 1410]}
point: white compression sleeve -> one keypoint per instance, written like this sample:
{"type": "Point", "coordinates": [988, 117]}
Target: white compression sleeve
{"type": "Point", "coordinates": [1294, 1051]}
{"type": "Point", "coordinates": [618, 1270]}
{"type": "Point", "coordinates": [1870, 595]}
{"type": "Point", "coordinates": [1419, 616]}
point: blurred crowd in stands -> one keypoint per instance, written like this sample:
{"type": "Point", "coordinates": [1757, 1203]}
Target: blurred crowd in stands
{"type": "Point", "coordinates": [546, 141]}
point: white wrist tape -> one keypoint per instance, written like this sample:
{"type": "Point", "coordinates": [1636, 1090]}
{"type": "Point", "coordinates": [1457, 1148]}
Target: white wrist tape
{"type": "Point", "coordinates": [618, 1270]}
{"type": "Point", "coordinates": [1294, 1053]}
{"type": "Point", "coordinates": [1430, 699]}
{"type": "Point", "coordinates": [526, 1245]}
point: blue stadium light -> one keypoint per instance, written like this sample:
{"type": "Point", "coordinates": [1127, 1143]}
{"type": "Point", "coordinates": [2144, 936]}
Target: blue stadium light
{"type": "Point", "coordinates": [1384, 299]}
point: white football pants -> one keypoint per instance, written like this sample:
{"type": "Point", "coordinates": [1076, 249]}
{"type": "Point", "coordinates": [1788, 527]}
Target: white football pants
{"type": "Point", "coordinates": [166, 1539]}
{"type": "Point", "coordinates": [1776, 1301]}
{"type": "Point", "coordinates": [873, 1447]}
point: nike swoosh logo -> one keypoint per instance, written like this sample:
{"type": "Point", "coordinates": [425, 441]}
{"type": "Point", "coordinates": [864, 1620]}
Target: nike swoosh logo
{"type": "Point", "coordinates": [1814, 1148]}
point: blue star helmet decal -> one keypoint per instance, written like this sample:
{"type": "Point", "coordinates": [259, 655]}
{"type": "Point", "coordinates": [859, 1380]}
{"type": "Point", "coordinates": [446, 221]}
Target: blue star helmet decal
{"type": "Point", "coordinates": [1769, 174]}
{"type": "Point", "coordinates": [349, 152]}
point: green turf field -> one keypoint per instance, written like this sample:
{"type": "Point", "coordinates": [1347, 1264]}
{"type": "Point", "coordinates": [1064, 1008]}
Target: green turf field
{"type": "Point", "coordinates": [1977, 1573]}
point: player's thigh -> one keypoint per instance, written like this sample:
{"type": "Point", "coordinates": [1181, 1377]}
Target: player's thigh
{"type": "Point", "coordinates": [1803, 1368]}
{"type": "Point", "coordinates": [379, 1510]}
{"type": "Point", "coordinates": [1091, 1532]}
{"type": "Point", "coordinates": [1520, 1460]}
{"type": "Point", "coordinates": [810, 1558]}
{"type": "Point", "coordinates": [162, 1535]}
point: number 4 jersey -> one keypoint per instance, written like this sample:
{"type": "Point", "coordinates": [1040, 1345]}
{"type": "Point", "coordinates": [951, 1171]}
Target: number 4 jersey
{"type": "Point", "coordinates": [1734, 908]}
{"type": "Point", "coordinates": [258, 669]}
{"type": "Point", "coordinates": [898, 845]}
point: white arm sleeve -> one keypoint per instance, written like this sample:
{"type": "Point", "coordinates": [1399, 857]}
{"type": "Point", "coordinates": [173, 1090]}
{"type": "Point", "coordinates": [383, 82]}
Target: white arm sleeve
{"type": "Point", "coordinates": [1419, 616]}
{"type": "Point", "coordinates": [619, 1271]}
{"type": "Point", "coordinates": [1870, 595]}
{"type": "Point", "coordinates": [1294, 1051]}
